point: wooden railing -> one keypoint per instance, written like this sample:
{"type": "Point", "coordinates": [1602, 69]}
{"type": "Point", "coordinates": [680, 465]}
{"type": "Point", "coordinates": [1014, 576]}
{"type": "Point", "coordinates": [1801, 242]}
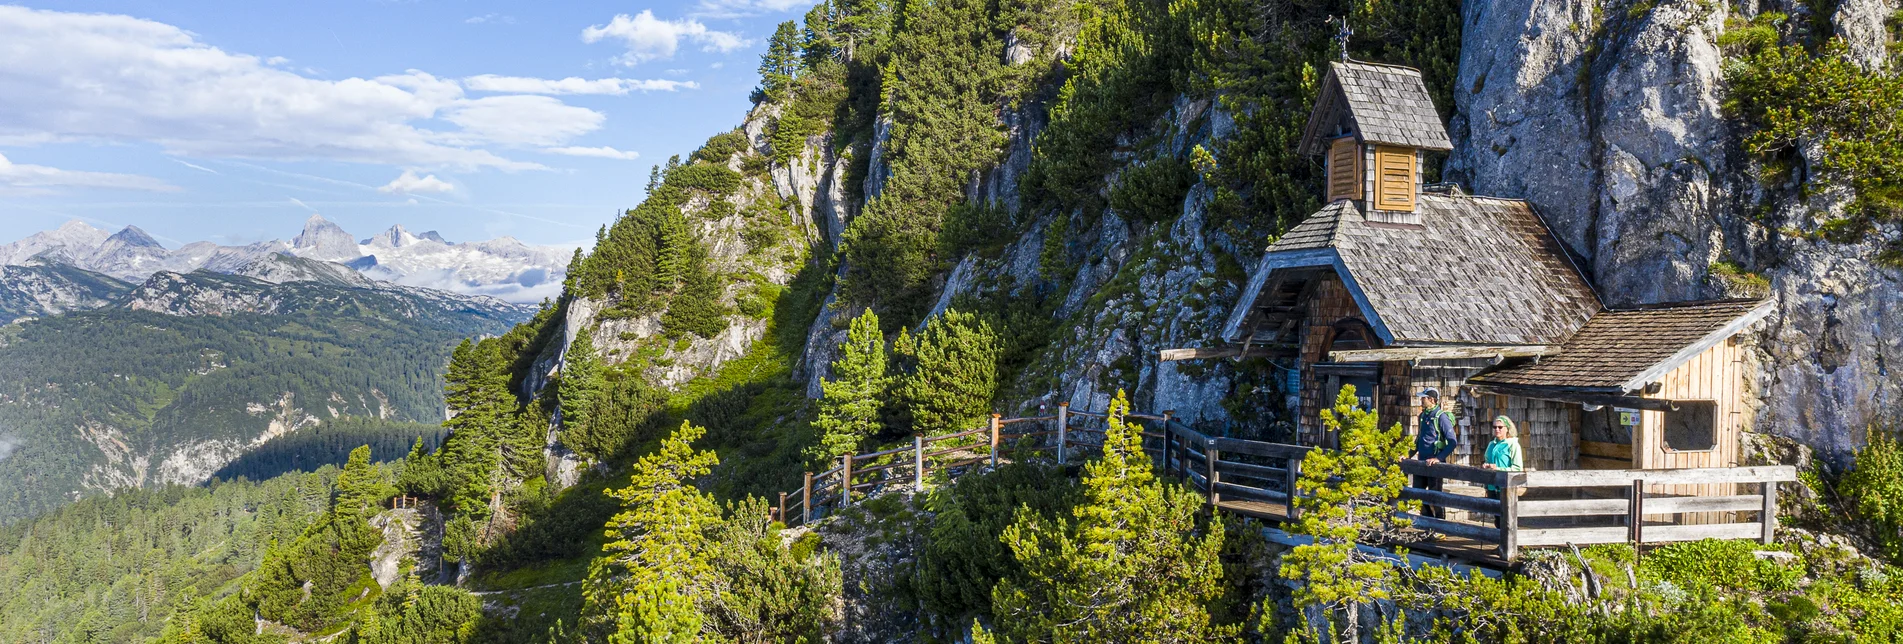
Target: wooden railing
{"type": "Point", "coordinates": [1256, 478]}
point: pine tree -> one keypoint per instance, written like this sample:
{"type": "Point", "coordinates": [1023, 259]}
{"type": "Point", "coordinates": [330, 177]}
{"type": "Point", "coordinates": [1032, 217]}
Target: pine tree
{"type": "Point", "coordinates": [780, 62]}
{"type": "Point", "coordinates": [952, 374]}
{"type": "Point", "coordinates": [1348, 496]}
{"type": "Point", "coordinates": [1133, 566]}
{"type": "Point", "coordinates": [849, 404]}
{"type": "Point", "coordinates": [581, 391]}
{"type": "Point", "coordinates": [361, 488]}
{"type": "Point", "coordinates": [657, 571]}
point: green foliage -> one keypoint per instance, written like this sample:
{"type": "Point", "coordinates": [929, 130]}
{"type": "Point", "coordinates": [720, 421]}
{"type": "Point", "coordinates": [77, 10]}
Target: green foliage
{"type": "Point", "coordinates": [649, 260]}
{"type": "Point", "coordinates": [850, 402]}
{"type": "Point", "coordinates": [309, 583]}
{"type": "Point", "coordinates": [179, 380]}
{"type": "Point", "coordinates": [113, 568]}
{"type": "Point", "coordinates": [1791, 97]}
{"type": "Point", "coordinates": [963, 558]}
{"type": "Point", "coordinates": [657, 571]}
{"type": "Point", "coordinates": [1348, 496]}
{"type": "Point", "coordinates": [495, 442]}
{"type": "Point", "coordinates": [1874, 487]}
{"type": "Point", "coordinates": [1154, 191]}
{"type": "Point", "coordinates": [950, 373]}
{"type": "Point", "coordinates": [330, 443]}
{"type": "Point", "coordinates": [1714, 565]}
{"type": "Point", "coordinates": [362, 488]}
{"type": "Point", "coordinates": [1133, 564]}
{"type": "Point", "coordinates": [718, 150]}
{"type": "Point", "coordinates": [581, 391]}
{"type": "Point", "coordinates": [780, 62]}
{"type": "Point", "coordinates": [678, 570]}
{"type": "Point", "coordinates": [940, 91]}
{"type": "Point", "coordinates": [413, 613]}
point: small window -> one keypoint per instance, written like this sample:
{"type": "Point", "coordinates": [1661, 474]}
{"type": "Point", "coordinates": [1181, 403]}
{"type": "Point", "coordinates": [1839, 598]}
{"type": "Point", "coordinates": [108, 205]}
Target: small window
{"type": "Point", "coordinates": [1693, 427]}
{"type": "Point", "coordinates": [1350, 335]}
{"type": "Point", "coordinates": [1344, 169]}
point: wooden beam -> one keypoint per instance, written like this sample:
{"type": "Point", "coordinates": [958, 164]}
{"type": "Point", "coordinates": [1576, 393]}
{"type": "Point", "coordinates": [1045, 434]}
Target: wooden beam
{"type": "Point", "coordinates": [1440, 353]}
{"type": "Point", "coordinates": [1691, 476]}
{"type": "Point", "coordinates": [1225, 351]}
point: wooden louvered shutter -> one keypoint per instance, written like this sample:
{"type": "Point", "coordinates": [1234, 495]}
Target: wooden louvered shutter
{"type": "Point", "coordinates": [1344, 169]}
{"type": "Point", "coordinates": [1394, 178]}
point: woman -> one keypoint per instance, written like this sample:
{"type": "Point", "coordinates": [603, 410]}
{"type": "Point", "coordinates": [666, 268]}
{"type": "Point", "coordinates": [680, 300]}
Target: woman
{"type": "Point", "coordinates": [1503, 454]}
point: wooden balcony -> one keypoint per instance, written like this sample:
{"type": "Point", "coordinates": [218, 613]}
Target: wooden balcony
{"type": "Point", "coordinates": [1252, 478]}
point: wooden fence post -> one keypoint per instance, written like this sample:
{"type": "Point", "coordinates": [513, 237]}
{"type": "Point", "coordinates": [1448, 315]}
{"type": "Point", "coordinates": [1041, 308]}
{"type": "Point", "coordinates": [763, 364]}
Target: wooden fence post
{"type": "Point", "coordinates": [845, 480]}
{"type": "Point", "coordinates": [806, 500]}
{"type": "Point", "coordinates": [782, 508]}
{"type": "Point", "coordinates": [1293, 469]}
{"type": "Point", "coordinates": [1769, 514]}
{"type": "Point", "coordinates": [1636, 515]}
{"type": "Point", "coordinates": [1063, 431]}
{"type": "Point", "coordinates": [1210, 456]}
{"type": "Point", "coordinates": [918, 462]}
{"type": "Point", "coordinates": [1164, 455]}
{"type": "Point", "coordinates": [1509, 518]}
{"type": "Point", "coordinates": [997, 423]}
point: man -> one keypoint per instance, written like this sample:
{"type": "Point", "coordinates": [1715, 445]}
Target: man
{"type": "Point", "coordinates": [1433, 443]}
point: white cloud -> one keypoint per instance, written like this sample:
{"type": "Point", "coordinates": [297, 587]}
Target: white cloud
{"type": "Point", "coordinates": [520, 120]}
{"type": "Point", "coordinates": [649, 38]}
{"type": "Point", "coordinates": [38, 178]}
{"type": "Point", "coordinates": [744, 8]}
{"type": "Point", "coordinates": [571, 85]}
{"type": "Point", "coordinates": [604, 152]}
{"type": "Point", "coordinates": [124, 79]}
{"type": "Point", "coordinates": [408, 183]}
{"type": "Point", "coordinates": [492, 18]}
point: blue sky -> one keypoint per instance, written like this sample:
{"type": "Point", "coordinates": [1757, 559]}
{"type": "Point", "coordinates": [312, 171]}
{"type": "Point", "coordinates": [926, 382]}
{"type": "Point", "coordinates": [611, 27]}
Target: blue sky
{"type": "Point", "coordinates": [235, 121]}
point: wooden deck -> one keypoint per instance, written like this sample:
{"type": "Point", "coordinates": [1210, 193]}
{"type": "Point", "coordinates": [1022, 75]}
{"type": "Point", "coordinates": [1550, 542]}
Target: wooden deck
{"type": "Point", "coordinates": [1251, 479]}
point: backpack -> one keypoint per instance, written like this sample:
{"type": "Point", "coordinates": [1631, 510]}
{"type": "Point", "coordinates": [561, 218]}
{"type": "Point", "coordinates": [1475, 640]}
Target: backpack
{"type": "Point", "coordinates": [1440, 438]}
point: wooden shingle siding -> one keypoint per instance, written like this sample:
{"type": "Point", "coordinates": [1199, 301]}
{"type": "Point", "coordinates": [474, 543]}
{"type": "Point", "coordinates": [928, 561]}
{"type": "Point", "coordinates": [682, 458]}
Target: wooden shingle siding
{"type": "Point", "coordinates": [1394, 178]}
{"type": "Point", "coordinates": [1344, 169]}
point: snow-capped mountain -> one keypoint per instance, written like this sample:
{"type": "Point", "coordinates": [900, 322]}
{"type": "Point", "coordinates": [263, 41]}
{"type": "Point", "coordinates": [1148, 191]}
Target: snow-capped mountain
{"type": "Point", "coordinates": [503, 268]}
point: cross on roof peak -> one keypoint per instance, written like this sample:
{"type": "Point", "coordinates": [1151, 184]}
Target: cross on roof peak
{"type": "Point", "coordinates": [1342, 35]}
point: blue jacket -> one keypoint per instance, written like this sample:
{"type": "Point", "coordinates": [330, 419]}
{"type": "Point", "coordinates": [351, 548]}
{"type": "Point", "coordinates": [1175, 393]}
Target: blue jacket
{"type": "Point", "coordinates": [1437, 437]}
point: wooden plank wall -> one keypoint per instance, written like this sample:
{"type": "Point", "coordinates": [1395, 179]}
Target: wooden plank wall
{"type": "Point", "coordinates": [1549, 435]}
{"type": "Point", "coordinates": [1449, 376]}
{"type": "Point", "coordinates": [1715, 375]}
{"type": "Point", "coordinates": [1330, 304]}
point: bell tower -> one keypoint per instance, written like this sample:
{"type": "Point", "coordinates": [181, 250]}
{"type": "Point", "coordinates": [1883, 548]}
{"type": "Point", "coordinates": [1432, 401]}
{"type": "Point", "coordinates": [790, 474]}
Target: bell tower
{"type": "Point", "coordinates": [1372, 125]}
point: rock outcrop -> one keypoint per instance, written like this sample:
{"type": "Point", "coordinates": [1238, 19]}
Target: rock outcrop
{"type": "Point", "coordinates": [1611, 125]}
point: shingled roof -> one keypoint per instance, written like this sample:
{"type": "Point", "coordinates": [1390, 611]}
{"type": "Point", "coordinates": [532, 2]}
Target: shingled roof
{"type": "Point", "coordinates": [1620, 351]}
{"type": "Point", "coordinates": [1385, 104]}
{"type": "Point", "coordinates": [1477, 270]}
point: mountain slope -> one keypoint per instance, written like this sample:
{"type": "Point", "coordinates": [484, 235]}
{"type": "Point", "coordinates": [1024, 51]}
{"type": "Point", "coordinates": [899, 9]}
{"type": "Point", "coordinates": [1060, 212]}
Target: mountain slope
{"type": "Point", "coordinates": [187, 372]}
{"type": "Point", "coordinates": [39, 289]}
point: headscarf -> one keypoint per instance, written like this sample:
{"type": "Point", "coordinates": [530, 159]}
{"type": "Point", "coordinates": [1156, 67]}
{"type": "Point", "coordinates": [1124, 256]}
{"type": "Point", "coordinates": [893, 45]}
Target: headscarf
{"type": "Point", "coordinates": [1512, 430]}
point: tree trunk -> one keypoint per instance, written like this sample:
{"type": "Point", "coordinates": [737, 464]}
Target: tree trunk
{"type": "Point", "coordinates": [1351, 627]}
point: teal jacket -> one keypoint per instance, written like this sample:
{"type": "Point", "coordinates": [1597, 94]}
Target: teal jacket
{"type": "Point", "coordinates": [1505, 455]}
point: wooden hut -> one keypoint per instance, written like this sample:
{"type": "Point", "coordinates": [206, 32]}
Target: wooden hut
{"type": "Point", "coordinates": [1396, 285]}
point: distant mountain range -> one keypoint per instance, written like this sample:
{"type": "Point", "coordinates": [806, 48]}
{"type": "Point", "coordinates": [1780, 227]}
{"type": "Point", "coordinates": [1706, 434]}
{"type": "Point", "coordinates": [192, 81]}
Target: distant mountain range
{"type": "Point", "coordinates": [106, 384]}
{"type": "Point", "coordinates": [502, 268]}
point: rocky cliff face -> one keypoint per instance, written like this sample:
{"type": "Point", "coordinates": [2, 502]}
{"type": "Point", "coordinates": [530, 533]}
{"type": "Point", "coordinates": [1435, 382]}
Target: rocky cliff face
{"type": "Point", "coordinates": [1608, 120]}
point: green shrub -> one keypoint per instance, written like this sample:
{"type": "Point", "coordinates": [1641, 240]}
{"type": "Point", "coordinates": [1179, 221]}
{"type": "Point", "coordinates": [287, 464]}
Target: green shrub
{"type": "Point", "coordinates": [1790, 96]}
{"type": "Point", "coordinates": [720, 148]}
{"type": "Point", "coordinates": [1153, 192]}
{"type": "Point", "coordinates": [1874, 487]}
{"type": "Point", "coordinates": [962, 557]}
{"type": "Point", "coordinates": [1713, 564]}
{"type": "Point", "coordinates": [950, 374]}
